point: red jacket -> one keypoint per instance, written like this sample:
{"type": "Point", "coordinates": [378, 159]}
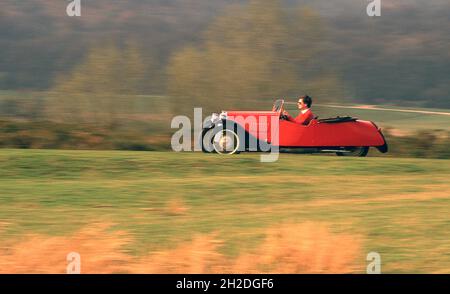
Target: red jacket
{"type": "Point", "coordinates": [302, 118]}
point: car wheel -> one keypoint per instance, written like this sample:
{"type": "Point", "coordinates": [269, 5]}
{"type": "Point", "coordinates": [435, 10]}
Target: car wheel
{"type": "Point", "coordinates": [354, 151]}
{"type": "Point", "coordinates": [226, 142]}
{"type": "Point", "coordinates": [207, 141]}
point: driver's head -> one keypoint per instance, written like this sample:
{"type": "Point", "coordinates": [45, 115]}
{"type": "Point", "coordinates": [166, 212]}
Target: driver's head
{"type": "Point", "coordinates": [304, 102]}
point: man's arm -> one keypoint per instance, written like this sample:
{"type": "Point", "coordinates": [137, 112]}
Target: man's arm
{"type": "Point", "coordinates": [288, 116]}
{"type": "Point", "coordinates": [304, 118]}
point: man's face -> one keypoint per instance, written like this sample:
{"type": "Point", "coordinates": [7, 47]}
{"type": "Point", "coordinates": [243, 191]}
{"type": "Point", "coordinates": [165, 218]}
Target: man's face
{"type": "Point", "coordinates": [301, 105]}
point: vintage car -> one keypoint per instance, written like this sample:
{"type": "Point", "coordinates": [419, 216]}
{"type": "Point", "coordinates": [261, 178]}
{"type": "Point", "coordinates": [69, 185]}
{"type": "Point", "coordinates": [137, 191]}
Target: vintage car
{"type": "Point", "coordinates": [236, 131]}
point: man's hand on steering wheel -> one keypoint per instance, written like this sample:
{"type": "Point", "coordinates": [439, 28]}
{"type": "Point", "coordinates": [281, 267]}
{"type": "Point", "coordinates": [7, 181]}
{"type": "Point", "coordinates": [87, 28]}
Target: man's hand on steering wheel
{"type": "Point", "coordinates": [284, 114]}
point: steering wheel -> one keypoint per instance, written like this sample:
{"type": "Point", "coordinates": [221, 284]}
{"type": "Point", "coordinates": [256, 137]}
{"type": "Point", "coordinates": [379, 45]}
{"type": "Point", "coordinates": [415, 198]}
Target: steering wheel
{"type": "Point", "coordinates": [276, 108]}
{"type": "Point", "coordinates": [277, 105]}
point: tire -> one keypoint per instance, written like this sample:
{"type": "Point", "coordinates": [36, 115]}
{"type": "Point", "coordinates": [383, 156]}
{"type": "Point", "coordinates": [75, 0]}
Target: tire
{"type": "Point", "coordinates": [207, 141]}
{"type": "Point", "coordinates": [354, 151]}
{"type": "Point", "coordinates": [226, 141]}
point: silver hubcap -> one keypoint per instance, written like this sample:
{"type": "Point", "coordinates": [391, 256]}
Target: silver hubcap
{"type": "Point", "coordinates": [226, 142]}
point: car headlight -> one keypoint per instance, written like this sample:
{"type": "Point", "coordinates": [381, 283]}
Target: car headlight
{"type": "Point", "coordinates": [214, 117]}
{"type": "Point", "coordinates": [223, 115]}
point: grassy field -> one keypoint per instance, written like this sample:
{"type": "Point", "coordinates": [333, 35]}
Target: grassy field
{"type": "Point", "coordinates": [193, 212]}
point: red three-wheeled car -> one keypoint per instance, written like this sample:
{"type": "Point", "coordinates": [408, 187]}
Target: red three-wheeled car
{"type": "Point", "coordinates": [236, 131]}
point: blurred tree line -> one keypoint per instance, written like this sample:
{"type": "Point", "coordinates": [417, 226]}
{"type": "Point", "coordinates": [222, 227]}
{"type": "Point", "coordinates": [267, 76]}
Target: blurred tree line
{"type": "Point", "coordinates": [247, 55]}
{"type": "Point", "coordinates": [254, 52]}
{"type": "Point", "coordinates": [399, 58]}
{"type": "Point", "coordinates": [257, 52]}
{"type": "Point", "coordinates": [103, 85]}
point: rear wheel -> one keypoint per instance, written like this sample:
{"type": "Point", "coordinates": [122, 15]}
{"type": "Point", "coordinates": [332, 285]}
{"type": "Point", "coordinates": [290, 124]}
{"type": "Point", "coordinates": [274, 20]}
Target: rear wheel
{"type": "Point", "coordinates": [354, 151]}
{"type": "Point", "coordinates": [226, 142]}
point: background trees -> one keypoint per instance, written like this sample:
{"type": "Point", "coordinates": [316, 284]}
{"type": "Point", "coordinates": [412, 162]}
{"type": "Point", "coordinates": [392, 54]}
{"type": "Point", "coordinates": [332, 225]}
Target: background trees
{"type": "Point", "coordinates": [102, 85]}
{"type": "Point", "coordinates": [254, 52]}
{"type": "Point", "coordinates": [400, 58]}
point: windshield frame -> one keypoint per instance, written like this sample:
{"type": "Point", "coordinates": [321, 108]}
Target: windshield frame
{"type": "Point", "coordinates": [278, 108]}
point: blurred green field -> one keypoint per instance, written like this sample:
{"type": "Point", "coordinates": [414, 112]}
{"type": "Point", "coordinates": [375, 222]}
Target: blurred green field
{"type": "Point", "coordinates": [399, 207]}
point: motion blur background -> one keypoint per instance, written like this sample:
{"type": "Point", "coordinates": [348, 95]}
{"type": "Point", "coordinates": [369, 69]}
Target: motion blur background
{"type": "Point", "coordinates": [115, 76]}
{"type": "Point", "coordinates": [113, 79]}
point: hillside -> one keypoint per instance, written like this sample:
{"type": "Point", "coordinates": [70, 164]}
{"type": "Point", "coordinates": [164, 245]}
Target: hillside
{"type": "Point", "coordinates": [398, 58]}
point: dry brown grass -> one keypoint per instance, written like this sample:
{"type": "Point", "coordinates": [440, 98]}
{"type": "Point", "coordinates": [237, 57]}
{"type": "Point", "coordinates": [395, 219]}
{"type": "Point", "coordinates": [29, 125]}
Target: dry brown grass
{"type": "Point", "coordinates": [289, 248]}
{"type": "Point", "coordinates": [100, 252]}
{"type": "Point", "coordinates": [176, 206]}
{"type": "Point", "coordinates": [197, 256]}
{"type": "Point", "coordinates": [3, 225]}
{"type": "Point", "coordinates": [302, 248]}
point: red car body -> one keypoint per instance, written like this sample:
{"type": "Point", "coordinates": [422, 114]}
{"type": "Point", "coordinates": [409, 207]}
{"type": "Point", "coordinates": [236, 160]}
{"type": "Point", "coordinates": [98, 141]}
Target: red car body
{"type": "Point", "coordinates": [334, 134]}
{"type": "Point", "coordinates": [315, 134]}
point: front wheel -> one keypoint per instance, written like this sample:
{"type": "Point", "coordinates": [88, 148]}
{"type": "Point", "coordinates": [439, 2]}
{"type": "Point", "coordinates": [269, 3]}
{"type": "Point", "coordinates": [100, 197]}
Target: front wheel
{"type": "Point", "coordinates": [354, 151]}
{"type": "Point", "coordinates": [226, 142]}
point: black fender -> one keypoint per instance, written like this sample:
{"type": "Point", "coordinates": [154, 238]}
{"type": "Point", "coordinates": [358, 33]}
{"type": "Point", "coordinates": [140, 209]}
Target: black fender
{"type": "Point", "coordinates": [206, 127]}
{"type": "Point", "coordinates": [251, 143]}
{"type": "Point", "coordinates": [383, 148]}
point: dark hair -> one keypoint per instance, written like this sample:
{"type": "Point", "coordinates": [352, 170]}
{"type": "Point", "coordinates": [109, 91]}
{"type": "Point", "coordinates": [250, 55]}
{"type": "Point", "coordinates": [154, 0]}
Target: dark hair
{"type": "Point", "coordinates": [307, 100]}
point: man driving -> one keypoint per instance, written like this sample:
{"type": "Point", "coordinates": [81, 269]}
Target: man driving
{"type": "Point", "coordinates": [305, 115]}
